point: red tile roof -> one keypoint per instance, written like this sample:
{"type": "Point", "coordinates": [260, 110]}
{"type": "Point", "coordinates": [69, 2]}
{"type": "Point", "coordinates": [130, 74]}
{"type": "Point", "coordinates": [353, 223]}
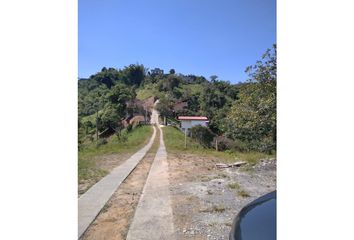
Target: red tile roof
{"type": "Point", "coordinates": [192, 118]}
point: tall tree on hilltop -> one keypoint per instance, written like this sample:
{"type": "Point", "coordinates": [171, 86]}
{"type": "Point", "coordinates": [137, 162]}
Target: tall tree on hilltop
{"type": "Point", "coordinates": [213, 78]}
{"type": "Point", "coordinates": [134, 74]}
{"type": "Point", "coordinates": [109, 76]}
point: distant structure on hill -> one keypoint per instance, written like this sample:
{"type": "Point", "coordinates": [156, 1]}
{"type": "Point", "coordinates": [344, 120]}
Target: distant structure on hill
{"type": "Point", "coordinates": [188, 122]}
{"type": "Point", "coordinates": [156, 71]}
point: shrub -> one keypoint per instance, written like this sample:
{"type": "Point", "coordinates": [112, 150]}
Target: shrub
{"type": "Point", "coordinates": [129, 128]}
{"type": "Point", "coordinates": [225, 143]}
{"type": "Point", "coordinates": [202, 134]}
{"type": "Point", "coordinates": [123, 138]}
{"type": "Point", "coordinates": [136, 125]}
{"type": "Point", "coordinates": [101, 141]}
{"type": "Point", "coordinates": [88, 126]}
{"type": "Point", "coordinates": [240, 146]}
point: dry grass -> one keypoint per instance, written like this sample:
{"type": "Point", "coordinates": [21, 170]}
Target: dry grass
{"type": "Point", "coordinates": [243, 193]}
{"type": "Point", "coordinates": [240, 192]}
{"type": "Point", "coordinates": [234, 185]}
{"type": "Point", "coordinates": [214, 208]}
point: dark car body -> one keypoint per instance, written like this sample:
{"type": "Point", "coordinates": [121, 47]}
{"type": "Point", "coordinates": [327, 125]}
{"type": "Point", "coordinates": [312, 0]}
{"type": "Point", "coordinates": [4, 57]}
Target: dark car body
{"type": "Point", "coordinates": [257, 220]}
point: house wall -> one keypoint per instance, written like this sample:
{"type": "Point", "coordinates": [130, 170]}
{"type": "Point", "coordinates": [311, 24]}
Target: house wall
{"type": "Point", "coordinates": [196, 122]}
{"type": "Point", "coordinates": [186, 124]}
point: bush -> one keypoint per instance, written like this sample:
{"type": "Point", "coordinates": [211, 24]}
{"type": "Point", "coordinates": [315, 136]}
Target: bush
{"type": "Point", "coordinates": [225, 143]}
{"type": "Point", "coordinates": [88, 126]}
{"type": "Point", "coordinates": [240, 146]}
{"type": "Point", "coordinates": [101, 141]}
{"type": "Point", "coordinates": [136, 125]}
{"type": "Point", "coordinates": [267, 145]}
{"type": "Point", "coordinates": [129, 128]}
{"type": "Point", "coordinates": [203, 135]}
{"type": "Point", "coordinates": [122, 136]}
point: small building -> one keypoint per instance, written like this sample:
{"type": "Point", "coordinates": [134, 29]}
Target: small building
{"type": "Point", "coordinates": [156, 71]}
{"type": "Point", "coordinates": [188, 122]}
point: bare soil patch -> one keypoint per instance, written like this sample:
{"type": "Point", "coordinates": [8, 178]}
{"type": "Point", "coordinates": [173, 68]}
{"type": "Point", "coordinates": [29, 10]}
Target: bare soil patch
{"type": "Point", "coordinates": [114, 220]}
{"type": "Point", "coordinates": [205, 199]}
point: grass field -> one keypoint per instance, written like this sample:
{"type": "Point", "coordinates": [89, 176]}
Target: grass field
{"type": "Point", "coordinates": [135, 140]}
{"type": "Point", "coordinates": [175, 143]}
{"type": "Point", "coordinates": [143, 94]}
{"type": "Point", "coordinates": [149, 90]}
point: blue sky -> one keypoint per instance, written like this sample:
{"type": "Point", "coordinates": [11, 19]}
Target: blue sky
{"type": "Point", "coordinates": [201, 37]}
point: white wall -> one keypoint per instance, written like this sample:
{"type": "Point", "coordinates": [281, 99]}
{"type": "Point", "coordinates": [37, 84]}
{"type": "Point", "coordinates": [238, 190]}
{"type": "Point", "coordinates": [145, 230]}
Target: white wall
{"type": "Point", "coordinates": [200, 122]}
{"type": "Point", "coordinates": [186, 124]}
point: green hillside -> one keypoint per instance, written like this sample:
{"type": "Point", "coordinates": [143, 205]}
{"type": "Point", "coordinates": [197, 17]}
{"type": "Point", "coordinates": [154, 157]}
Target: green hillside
{"type": "Point", "coordinates": [243, 115]}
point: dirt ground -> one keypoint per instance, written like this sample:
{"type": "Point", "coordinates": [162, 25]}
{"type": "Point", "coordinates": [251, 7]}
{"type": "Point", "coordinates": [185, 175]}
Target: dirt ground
{"type": "Point", "coordinates": [105, 162]}
{"type": "Point", "coordinates": [114, 220]}
{"type": "Point", "coordinates": [206, 199]}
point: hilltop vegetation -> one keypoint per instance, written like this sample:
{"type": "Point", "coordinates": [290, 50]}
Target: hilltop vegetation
{"type": "Point", "coordinates": [243, 114]}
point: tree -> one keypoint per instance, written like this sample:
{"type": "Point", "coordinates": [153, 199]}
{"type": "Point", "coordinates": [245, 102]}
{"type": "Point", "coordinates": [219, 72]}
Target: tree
{"type": "Point", "coordinates": [107, 76]}
{"type": "Point", "coordinates": [252, 118]}
{"type": "Point", "coordinates": [134, 74]}
{"type": "Point", "coordinates": [109, 117]}
{"type": "Point", "coordinates": [169, 83]}
{"type": "Point", "coordinates": [115, 109]}
{"type": "Point", "coordinates": [213, 78]}
{"type": "Point", "coordinates": [211, 99]}
{"type": "Point", "coordinates": [120, 94]}
{"type": "Point", "coordinates": [92, 96]}
{"type": "Point", "coordinates": [165, 106]}
{"type": "Point", "coordinates": [172, 71]}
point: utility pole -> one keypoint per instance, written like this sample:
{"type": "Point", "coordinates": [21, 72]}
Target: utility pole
{"type": "Point", "coordinates": [185, 138]}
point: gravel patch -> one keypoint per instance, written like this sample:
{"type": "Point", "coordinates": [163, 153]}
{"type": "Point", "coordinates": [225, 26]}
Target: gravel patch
{"type": "Point", "coordinates": [206, 200]}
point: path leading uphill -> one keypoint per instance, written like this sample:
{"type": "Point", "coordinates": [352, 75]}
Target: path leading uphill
{"type": "Point", "coordinates": [153, 216]}
{"type": "Point", "coordinates": [91, 202]}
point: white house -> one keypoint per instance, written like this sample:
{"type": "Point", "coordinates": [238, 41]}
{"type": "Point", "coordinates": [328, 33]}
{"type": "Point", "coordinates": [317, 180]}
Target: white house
{"type": "Point", "coordinates": [188, 122]}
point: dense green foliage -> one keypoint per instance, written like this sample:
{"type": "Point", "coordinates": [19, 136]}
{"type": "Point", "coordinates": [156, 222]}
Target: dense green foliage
{"type": "Point", "coordinates": [202, 134]}
{"type": "Point", "coordinates": [252, 118]}
{"type": "Point", "coordinates": [103, 100]}
{"type": "Point", "coordinates": [95, 91]}
{"type": "Point", "coordinates": [208, 98]}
